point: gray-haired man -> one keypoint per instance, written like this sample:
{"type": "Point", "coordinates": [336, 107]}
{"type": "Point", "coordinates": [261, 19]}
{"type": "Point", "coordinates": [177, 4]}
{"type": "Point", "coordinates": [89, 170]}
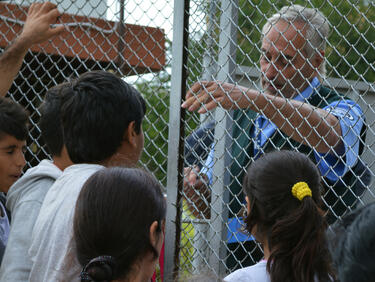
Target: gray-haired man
{"type": "Point", "coordinates": [292, 111]}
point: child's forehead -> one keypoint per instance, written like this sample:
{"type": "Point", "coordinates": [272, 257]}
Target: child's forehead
{"type": "Point", "coordinates": [7, 141]}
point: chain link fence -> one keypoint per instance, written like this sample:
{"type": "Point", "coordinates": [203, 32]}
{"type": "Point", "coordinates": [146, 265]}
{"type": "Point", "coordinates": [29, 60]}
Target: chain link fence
{"type": "Point", "coordinates": [132, 42]}
{"type": "Point", "coordinates": [208, 40]}
{"type": "Point", "coordinates": [228, 47]}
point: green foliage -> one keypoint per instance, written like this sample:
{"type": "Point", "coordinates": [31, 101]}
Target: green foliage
{"type": "Point", "coordinates": [350, 49]}
{"type": "Point", "coordinates": [156, 93]}
{"type": "Point", "coordinates": [155, 125]}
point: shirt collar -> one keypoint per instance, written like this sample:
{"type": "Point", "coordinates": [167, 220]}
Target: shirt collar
{"type": "Point", "coordinates": [309, 90]}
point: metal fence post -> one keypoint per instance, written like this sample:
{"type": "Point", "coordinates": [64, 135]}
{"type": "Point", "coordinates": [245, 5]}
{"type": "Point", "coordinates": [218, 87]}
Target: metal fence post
{"type": "Point", "coordinates": [226, 64]}
{"type": "Point", "coordinates": [175, 148]}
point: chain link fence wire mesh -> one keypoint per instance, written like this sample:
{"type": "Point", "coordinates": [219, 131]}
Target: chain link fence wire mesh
{"type": "Point", "coordinates": [133, 39]}
{"type": "Point", "coordinates": [349, 57]}
{"type": "Point", "coordinates": [129, 38]}
{"type": "Point", "coordinates": [103, 35]}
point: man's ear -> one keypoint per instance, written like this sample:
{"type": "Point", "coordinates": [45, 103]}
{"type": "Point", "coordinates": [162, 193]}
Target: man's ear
{"type": "Point", "coordinates": [130, 134]}
{"type": "Point", "coordinates": [318, 59]}
{"type": "Point", "coordinates": [247, 204]}
{"type": "Point", "coordinates": [154, 234]}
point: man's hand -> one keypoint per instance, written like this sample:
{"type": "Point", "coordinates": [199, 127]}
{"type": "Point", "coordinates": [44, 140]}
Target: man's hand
{"type": "Point", "coordinates": [37, 28]}
{"type": "Point", "coordinates": [197, 192]}
{"type": "Point", "coordinates": [207, 95]}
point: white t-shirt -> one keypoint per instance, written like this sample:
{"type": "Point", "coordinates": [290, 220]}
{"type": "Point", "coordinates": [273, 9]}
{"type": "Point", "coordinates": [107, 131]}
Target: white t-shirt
{"type": "Point", "coordinates": [254, 273]}
{"type": "Point", "coordinates": [52, 249]}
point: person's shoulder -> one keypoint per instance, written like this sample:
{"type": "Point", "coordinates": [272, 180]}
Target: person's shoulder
{"type": "Point", "coordinates": [4, 222]}
{"type": "Point", "coordinates": [66, 188]}
{"type": "Point", "coordinates": [257, 272]}
{"type": "Point", "coordinates": [81, 169]}
{"type": "Point", "coordinates": [33, 185]}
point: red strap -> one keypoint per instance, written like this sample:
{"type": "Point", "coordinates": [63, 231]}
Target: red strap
{"type": "Point", "coordinates": [161, 265]}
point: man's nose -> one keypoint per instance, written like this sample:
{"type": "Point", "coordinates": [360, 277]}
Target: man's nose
{"type": "Point", "coordinates": [20, 159]}
{"type": "Point", "coordinates": [271, 71]}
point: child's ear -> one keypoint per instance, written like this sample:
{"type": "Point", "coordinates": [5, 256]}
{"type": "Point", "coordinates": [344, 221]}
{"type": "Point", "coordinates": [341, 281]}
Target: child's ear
{"type": "Point", "coordinates": [154, 234]}
{"type": "Point", "coordinates": [131, 134]}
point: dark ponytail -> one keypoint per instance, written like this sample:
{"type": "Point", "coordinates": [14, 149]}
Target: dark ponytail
{"type": "Point", "coordinates": [101, 268]}
{"type": "Point", "coordinates": [295, 229]}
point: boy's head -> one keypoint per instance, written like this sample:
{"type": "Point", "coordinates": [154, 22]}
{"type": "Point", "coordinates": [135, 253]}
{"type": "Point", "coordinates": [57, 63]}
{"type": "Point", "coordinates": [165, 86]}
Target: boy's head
{"type": "Point", "coordinates": [102, 120]}
{"type": "Point", "coordinates": [351, 242]}
{"type": "Point", "coordinates": [50, 121]}
{"type": "Point", "coordinates": [13, 134]}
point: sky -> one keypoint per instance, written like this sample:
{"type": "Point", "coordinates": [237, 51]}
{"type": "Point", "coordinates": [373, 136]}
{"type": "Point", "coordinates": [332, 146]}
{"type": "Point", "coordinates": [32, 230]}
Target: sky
{"type": "Point", "coordinates": [155, 13]}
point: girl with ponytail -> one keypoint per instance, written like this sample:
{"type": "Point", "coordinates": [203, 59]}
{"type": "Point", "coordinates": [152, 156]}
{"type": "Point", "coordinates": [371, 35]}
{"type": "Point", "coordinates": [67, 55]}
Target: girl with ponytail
{"type": "Point", "coordinates": [119, 225]}
{"type": "Point", "coordinates": [283, 198]}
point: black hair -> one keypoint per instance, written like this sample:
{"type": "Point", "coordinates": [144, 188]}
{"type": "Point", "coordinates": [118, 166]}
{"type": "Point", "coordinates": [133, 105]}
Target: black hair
{"type": "Point", "coordinates": [294, 229]}
{"type": "Point", "coordinates": [352, 244]}
{"type": "Point", "coordinates": [96, 111]}
{"type": "Point", "coordinates": [13, 119]}
{"type": "Point", "coordinates": [112, 220]}
{"type": "Point", "coordinates": [50, 121]}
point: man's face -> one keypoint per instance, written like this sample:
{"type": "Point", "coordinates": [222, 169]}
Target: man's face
{"type": "Point", "coordinates": [284, 64]}
{"type": "Point", "coordinates": [12, 161]}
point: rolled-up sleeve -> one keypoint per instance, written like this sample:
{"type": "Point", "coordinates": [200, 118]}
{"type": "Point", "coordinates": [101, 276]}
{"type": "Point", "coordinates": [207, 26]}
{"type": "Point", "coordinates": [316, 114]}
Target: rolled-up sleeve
{"type": "Point", "coordinates": [207, 167]}
{"type": "Point", "coordinates": [350, 116]}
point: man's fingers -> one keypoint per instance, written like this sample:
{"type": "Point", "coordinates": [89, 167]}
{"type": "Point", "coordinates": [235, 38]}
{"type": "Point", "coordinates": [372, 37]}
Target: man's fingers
{"type": "Point", "coordinates": [52, 16]}
{"type": "Point", "coordinates": [187, 169]}
{"type": "Point", "coordinates": [56, 31]}
{"type": "Point", "coordinates": [46, 7]}
{"type": "Point", "coordinates": [198, 87]}
{"type": "Point", "coordinates": [187, 176]}
{"type": "Point", "coordinates": [192, 179]}
{"type": "Point", "coordinates": [193, 175]}
{"type": "Point", "coordinates": [32, 8]}
{"type": "Point", "coordinates": [206, 100]}
{"type": "Point", "coordinates": [197, 101]}
{"type": "Point", "coordinates": [211, 105]}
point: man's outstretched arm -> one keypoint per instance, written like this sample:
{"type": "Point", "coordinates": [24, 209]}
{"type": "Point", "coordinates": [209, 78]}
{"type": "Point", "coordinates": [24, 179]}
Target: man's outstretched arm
{"type": "Point", "coordinates": [314, 127]}
{"type": "Point", "coordinates": [37, 29]}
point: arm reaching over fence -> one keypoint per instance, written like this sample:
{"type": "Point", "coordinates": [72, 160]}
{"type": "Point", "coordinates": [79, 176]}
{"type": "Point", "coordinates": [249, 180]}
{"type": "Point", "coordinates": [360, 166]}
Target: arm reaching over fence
{"type": "Point", "coordinates": [37, 29]}
{"type": "Point", "coordinates": [300, 121]}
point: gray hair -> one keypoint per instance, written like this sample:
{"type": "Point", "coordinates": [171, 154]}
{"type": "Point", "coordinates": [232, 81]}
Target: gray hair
{"type": "Point", "coordinates": [317, 28]}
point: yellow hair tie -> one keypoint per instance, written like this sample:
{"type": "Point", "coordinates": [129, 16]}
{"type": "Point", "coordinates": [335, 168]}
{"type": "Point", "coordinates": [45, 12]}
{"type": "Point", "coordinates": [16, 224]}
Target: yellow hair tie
{"type": "Point", "coordinates": [300, 190]}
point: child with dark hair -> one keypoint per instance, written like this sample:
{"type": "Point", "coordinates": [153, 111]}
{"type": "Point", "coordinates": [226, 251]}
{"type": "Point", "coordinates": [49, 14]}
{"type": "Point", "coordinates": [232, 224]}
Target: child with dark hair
{"type": "Point", "coordinates": [119, 225]}
{"type": "Point", "coordinates": [283, 198]}
{"type": "Point", "coordinates": [13, 134]}
{"type": "Point", "coordinates": [352, 244]}
{"type": "Point", "coordinates": [26, 196]}
{"type": "Point", "coordinates": [101, 118]}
